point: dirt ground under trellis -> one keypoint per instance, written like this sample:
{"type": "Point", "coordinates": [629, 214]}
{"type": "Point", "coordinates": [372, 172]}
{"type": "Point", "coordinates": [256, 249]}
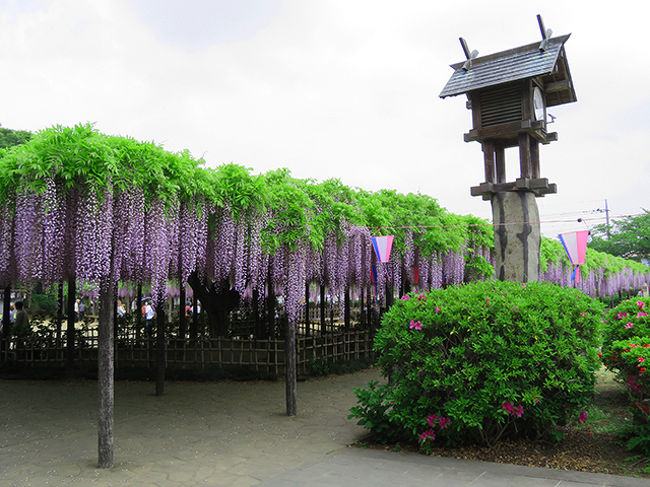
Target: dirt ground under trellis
{"type": "Point", "coordinates": [198, 433]}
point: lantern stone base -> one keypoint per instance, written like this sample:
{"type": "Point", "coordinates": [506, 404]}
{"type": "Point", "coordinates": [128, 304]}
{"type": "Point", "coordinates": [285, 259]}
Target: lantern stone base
{"type": "Point", "coordinates": [517, 236]}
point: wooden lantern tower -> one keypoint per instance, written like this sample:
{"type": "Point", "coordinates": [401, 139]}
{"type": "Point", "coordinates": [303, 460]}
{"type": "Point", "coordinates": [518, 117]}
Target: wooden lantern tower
{"type": "Point", "coordinates": [508, 93]}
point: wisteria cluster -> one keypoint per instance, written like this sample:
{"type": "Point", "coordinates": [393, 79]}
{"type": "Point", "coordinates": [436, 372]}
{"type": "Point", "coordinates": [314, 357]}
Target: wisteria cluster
{"type": "Point", "coordinates": [597, 282]}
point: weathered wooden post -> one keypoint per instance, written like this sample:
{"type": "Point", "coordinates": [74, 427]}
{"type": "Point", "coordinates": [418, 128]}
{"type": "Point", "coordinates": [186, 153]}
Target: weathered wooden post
{"type": "Point", "coordinates": [105, 375]}
{"type": "Point", "coordinates": [508, 93]}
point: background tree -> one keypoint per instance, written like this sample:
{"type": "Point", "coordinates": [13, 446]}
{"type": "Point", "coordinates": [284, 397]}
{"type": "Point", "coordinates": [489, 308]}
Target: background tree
{"type": "Point", "coordinates": [628, 237]}
{"type": "Point", "coordinates": [9, 138]}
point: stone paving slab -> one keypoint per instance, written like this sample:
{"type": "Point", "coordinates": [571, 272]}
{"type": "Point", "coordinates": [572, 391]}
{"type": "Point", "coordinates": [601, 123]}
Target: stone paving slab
{"type": "Point", "coordinates": [360, 467]}
{"type": "Point", "coordinates": [224, 434]}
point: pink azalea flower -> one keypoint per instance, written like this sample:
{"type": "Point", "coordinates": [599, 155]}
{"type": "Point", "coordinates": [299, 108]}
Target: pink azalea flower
{"type": "Point", "coordinates": [437, 309]}
{"type": "Point", "coordinates": [512, 409]}
{"type": "Point", "coordinates": [432, 419]}
{"type": "Point", "coordinates": [641, 315]}
{"type": "Point", "coordinates": [523, 285]}
{"type": "Point", "coordinates": [444, 422]}
{"type": "Point", "coordinates": [422, 296]}
{"type": "Point", "coordinates": [620, 315]}
{"type": "Point", "coordinates": [640, 304]}
{"type": "Point", "coordinates": [415, 325]}
{"type": "Point", "coordinates": [428, 434]}
{"type": "Point", "coordinates": [583, 314]}
{"type": "Point", "coordinates": [487, 301]}
{"type": "Point", "coordinates": [640, 359]}
{"type": "Point", "coordinates": [583, 417]}
{"type": "Point", "coordinates": [405, 297]}
{"type": "Point", "coordinates": [629, 325]}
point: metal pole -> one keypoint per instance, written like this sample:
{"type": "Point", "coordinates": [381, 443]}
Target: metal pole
{"type": "Point", "coordinates": [607, 218]}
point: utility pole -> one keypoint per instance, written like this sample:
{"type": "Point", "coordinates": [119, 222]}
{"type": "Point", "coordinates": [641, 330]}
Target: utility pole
{"type": "Point", "coordinates": [607, 218]}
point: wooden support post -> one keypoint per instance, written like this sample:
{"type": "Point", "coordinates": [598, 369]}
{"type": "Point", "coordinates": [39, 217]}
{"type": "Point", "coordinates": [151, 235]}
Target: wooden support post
{"type": "Point", "coordinates": [69, 351]}
{"type": "Point", "coordinates": [524, 156]}
{"type": "Point", "coordinates": [6, 322]}
{"type": "Point", "coordinates": [291, 380]}
{"type": "Point", "coordinates": [323, 324]}
{"type": "Point", "coordinates": [138, 312]}
{"type": "Point", "coordinates": [488, 160]}
{"type": "Point", "coordinates": [534, 158]}
{"type": "Point", "coordinates": [256, 314]}
{"type": "Point", "coordinates": [105, 374]}
{"type": "Point", "coordinates": [307, 321]}
{"type": "Point", "coordinates": [115, 327]}
{"type": "Point", "coordinates": [195, 315]}
{"type": "Point", "coordinates": [270, 306]}
{"type": "Point", "coordinates": [182, 319]}
{"type": "Point", "coordinates": [160, 349]}
{"type": "Point", "coordinates": [369, 308]}
{"type": "Point", "coordinates": [500, 163]}
{"type": "Point", "coordinates": [346, 308]}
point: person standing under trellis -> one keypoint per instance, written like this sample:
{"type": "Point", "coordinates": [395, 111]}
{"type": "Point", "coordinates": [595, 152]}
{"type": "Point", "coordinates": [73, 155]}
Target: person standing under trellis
{"type": "Point", "coordinates": [21, 324]}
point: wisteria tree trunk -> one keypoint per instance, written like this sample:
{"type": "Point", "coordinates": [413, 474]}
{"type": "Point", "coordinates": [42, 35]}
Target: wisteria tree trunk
{"type": "Point", "coordinates": [217, 300]}
{"type": "Point", "coordinates": [290, 366]}
{"type": "Point", "coordinates": [69, 351]}
{"type": "Point", "coordinates": [160, 349]}
{"type": "Point", "coordinates": [105, 373]}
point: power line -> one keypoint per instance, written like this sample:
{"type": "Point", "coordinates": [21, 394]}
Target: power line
{"type": "Point", "coordinates": [452, 225]}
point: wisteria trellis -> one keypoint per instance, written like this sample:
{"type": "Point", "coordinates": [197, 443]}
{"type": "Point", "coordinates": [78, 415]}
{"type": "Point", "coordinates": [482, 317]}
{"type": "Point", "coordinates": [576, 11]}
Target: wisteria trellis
{"type": "Point", "coordinates": [131, 231]}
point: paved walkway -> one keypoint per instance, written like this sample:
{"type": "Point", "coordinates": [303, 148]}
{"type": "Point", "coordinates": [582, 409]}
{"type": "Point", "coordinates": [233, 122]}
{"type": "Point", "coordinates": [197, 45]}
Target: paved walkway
{"type": "Point", "coordinates": [224, 434]}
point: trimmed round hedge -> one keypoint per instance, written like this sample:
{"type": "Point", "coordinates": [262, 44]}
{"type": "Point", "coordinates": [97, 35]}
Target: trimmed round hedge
{"type": "Point", "coordinates": [482, 361]}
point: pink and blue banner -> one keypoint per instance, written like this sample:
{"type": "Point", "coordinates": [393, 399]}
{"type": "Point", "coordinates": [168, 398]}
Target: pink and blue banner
{"type": "Point", "coordinates": [382, 246]}
{"type": "Point", "coordinates": [575, 245]}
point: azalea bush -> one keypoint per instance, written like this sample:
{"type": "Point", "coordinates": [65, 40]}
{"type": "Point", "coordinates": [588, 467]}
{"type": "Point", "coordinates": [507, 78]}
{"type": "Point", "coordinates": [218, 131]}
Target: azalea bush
{"type": "Point", "coordinates": [483, 361]}
{"type": "Point", "coordinates": [626, 351]}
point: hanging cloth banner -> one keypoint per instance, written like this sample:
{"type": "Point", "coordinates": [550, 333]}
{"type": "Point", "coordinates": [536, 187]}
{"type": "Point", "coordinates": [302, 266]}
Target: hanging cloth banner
{"type": "Point", "coordinates": [382, 246]}
{"type": "Point", "coordinates": [575, 245]}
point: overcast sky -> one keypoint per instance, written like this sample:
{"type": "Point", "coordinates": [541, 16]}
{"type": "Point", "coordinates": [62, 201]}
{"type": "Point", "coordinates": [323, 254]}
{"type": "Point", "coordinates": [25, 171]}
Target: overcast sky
{"type": "Point", "coordinates": [336, 89]}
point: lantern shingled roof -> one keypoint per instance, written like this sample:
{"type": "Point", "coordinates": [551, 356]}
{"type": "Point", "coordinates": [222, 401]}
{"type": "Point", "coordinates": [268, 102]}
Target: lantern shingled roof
{"type": "Point", "coordinates": [550, 64]}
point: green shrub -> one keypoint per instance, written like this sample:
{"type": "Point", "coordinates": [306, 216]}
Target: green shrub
{"type": "Point", "coordinates": [481, 361]}
{"type": "Point", "coordinates": [626, 351]}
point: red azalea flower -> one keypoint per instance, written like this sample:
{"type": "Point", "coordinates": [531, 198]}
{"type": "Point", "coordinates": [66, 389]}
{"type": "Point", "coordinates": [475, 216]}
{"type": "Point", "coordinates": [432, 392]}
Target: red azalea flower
{"type": "Point", "coordinates": [428, 434]}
